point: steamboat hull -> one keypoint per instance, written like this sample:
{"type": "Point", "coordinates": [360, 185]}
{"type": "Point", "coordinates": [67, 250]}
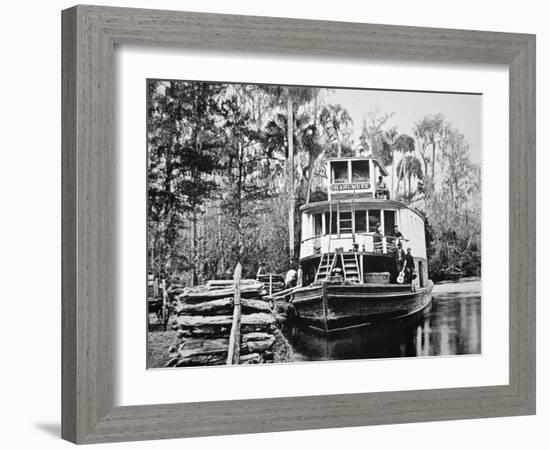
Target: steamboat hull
{"type": "Point", "coordinates": [328, 307]}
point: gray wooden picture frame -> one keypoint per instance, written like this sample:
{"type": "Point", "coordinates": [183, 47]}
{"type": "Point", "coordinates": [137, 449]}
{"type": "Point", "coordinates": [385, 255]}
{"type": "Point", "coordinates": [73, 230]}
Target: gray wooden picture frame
{"type": "Point", "coordinates": [90, 34]}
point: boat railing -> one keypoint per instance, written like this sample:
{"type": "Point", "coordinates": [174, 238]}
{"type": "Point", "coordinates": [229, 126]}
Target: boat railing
{"type": "Point", "coordinates": [371, 242]}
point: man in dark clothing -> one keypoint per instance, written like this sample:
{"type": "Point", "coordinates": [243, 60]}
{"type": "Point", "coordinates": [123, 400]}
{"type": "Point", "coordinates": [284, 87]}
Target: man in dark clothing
{"type": "Point", "coordinates": [399, 258]}
{"type": "Point", "coordinates": [409, 267]}
{"type": "Point", "coordinates": [377, 239]}
{"type": "Point", "coordinates": [397, 233]}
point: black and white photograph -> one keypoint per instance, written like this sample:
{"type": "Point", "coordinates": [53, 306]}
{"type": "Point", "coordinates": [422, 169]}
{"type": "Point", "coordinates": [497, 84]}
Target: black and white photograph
{"type": "Point", "coordinates": [291, 224]}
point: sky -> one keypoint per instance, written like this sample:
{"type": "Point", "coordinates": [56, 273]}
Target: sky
{"type": "Point", "coordinates": [462, 110]}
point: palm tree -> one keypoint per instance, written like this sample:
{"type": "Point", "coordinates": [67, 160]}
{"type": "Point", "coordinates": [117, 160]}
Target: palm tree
{"type": "Point", "coordinates": [290, 98]}
{"type": "Point", "coordinates": [404, 144]}
{"type": "Point", "coordinates": [388, 143]}
{"type": "Point", "coordinates": [335, 119]}
{"type": "Point", "coordinates": [429, 131]}
{"type": "Point", "coordinates": [408, 167]}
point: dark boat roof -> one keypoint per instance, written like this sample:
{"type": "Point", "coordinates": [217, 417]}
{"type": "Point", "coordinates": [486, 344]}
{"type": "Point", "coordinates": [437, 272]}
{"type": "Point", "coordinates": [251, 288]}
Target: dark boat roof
{"type": "Point", "coordinates": [368, 203]}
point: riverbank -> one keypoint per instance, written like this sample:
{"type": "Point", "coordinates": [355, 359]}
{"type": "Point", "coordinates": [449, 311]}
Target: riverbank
{"type": "Point", "coordinates": [463, 286]}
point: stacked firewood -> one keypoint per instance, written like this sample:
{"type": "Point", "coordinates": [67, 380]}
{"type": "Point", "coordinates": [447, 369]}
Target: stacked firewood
{"type": "Point", "coordinates": [204, 322]}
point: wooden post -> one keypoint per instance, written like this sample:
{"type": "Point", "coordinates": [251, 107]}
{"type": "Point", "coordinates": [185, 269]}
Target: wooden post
{"type": "Point", "coordinates": [164, 314]}
{"type": "Point", "coordinates": [233, 352]}
{"type": "Point", "coordinates": [270, 284]}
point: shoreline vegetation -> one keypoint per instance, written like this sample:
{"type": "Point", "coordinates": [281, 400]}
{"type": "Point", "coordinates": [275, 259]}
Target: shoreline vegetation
{"type": "Point", "coordinates": [463, 285]}
{"type": "Point", "coordinates": [229, 166]}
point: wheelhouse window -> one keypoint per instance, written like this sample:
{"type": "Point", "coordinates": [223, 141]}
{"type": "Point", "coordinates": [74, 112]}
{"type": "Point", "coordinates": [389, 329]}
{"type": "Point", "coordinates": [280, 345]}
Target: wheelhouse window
{"type": "Point", "coordinates": [331, 223]}
{"type": "Point", "coordinates": [361, 221]}
{"type": "Point", "coordinates": [346, 225]}
{"type": "Point", "coordinates": [374, 219]}
{"type": "Point", "coordinates": [317, 225]}
{"type": "Point", "coordinates": [360, 171]}
{"type": "Point", "coordinates": [340, 172]}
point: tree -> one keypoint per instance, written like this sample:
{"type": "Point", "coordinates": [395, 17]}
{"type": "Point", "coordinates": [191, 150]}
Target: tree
{"type": "Point", "coordinates": [389, 146]}
{"type": "Point", "coordinates": [455, 209]}
{"type": "Point", "coordinates": [184, 139]}
{"type": "Point", "coordinates": [290, 97]}
{"type": "Point", "coordinates": [372, 136]}
{"type": "Point", "coordinates": [429, 132]}
{"type": "Point", "coordinates": [404, 144]}
{"type": "Point", "coordinates": [409, 167]}
{"type": "Point", "coordinates": [335, 121]}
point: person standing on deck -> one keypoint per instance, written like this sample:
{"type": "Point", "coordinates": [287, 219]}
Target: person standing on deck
{"type": "Point", "coordinates": [399, 258]}
{"type": "Point", "coordinates": [409, 267]}
{"type": "Point", "coordinates": [377, 239]}
{"type": "Point", "coordinates": [398, 236]}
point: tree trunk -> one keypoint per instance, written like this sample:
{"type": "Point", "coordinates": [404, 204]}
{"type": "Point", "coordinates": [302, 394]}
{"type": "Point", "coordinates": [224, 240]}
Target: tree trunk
{"type": "Point", "coordinates": [392, 175]}
{"type": "Point", "coordinates": [195, 253]}
{"type": "Point", "coordinates": [311, 164]}
{"type": "Point", "coordinates": [402, 174]}
{"type": "Point", "coordinates": [290, 139]}
{"type": "Point", "coordinates": [433, 161]}
{"type": "Point", "coordinates": [315, 106]}
{"type": "Point", "coordinates": [240, 202]}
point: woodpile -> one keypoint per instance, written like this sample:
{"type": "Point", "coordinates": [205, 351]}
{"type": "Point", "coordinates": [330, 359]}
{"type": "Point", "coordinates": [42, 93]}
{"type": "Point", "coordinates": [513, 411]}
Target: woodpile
{"type": "Point", "coordinates": [200, 294]}
{"type": "Point", "coordinates": [205, 317]}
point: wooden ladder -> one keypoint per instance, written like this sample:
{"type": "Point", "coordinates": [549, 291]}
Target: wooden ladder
{"type": "Point", "coordinates": [325, 267]}
{"type": "Point", "coordinates": [350, 266]}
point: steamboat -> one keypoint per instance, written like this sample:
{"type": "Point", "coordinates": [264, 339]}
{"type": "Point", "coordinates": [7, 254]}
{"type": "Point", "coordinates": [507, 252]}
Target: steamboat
{"type": "Point", "coordinates": [352, 269]}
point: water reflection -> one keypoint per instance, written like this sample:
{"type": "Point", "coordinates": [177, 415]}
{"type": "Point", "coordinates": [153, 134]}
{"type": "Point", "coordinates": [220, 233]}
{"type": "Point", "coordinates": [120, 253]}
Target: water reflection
{"type": "Point", "coordinates": [451, 326]}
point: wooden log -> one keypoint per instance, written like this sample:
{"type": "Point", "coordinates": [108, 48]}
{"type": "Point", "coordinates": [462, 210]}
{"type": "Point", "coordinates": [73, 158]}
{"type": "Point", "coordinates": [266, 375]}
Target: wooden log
{"type": "Point", "coordinates": [199, 321]}
{"type": "Point", "coordinates": [252, 358]}
{"type": "Point", "coordinates": [217, 284]}
{"type": "Point", "coordinates": [188, 326]}
{"type": "Point", "coordinates": [251, 306]}
{"type": "Point", "coordinates": [201, 293]}
{"type": "Point", "coordinates": [195, 349]}
{"type": "Point", "coordinates": [256, 319]}
{"type": "Point", "coordinates": [207, 332]}
{"type": "Point", "coordinates": [256, 337]}
{"type": "Point", "coordinates": [202, 360]}
{"type": "Point", "coordinates": [204, 345]}
{"type": "Point", "coordinates": [258, 346]}
{"type": "Point", "coordinates": [222, 306]}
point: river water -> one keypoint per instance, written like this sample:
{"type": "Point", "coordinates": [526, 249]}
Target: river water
{"type": "Point", "coordinates": [450, 326]}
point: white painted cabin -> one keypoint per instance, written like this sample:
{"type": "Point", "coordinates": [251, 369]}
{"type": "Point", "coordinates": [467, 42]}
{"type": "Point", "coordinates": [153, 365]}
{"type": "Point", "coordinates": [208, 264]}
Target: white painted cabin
{"type": "Point", "coordinates": [347, 221]}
